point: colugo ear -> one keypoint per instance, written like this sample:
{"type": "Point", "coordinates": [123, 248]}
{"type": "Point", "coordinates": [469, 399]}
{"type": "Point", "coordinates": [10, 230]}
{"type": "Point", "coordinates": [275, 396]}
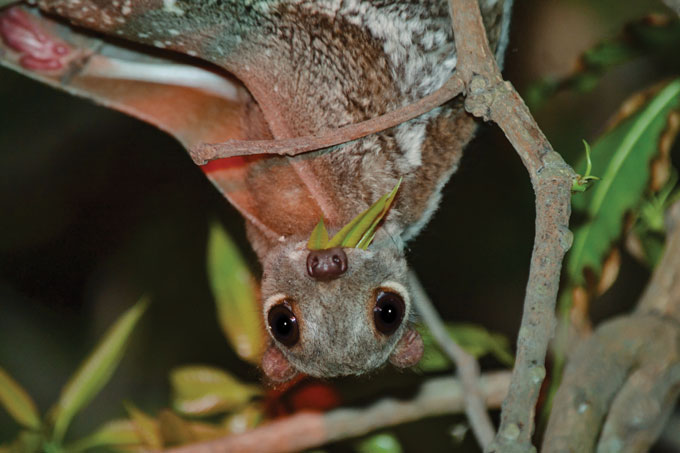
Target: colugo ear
{"type": "Point", "coordinates": [409, 350]}
{"type": "Point", "coordinates": [276, 366]}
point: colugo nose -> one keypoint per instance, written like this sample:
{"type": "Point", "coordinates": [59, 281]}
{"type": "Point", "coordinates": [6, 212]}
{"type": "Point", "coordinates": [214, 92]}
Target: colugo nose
{"type": "Point", "coordinates": [326, 264]}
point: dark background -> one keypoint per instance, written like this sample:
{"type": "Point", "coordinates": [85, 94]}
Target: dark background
{"type": "Point", "coordinates": [97, 209]}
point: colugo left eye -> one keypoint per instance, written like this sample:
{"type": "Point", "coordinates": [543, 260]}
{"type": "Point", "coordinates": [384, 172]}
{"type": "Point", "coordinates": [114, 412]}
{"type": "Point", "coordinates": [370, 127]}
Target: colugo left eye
{"type": "Point", "coordinates": [283, 324]}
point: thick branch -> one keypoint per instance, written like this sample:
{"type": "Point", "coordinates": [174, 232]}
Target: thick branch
{"type": "Point", "coordinates": [489, 97]}
{"type": "Point", "coordinates": [299, 145]}
{"type": "Point", "coordinates": [597, 380]}
{"type": "Point", "coordinates": [630, 368]}
{"type": "Point", "coordinates": [437, 396]}
{"type": "Point", "coordinates": [466, 365]}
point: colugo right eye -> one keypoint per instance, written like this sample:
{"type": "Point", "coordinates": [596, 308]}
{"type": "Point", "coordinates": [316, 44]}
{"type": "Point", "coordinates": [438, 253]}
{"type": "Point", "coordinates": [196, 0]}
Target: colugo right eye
{"type": "Point", "coordinates": [283, 324]}
{"type": "Point", "coordinates": [388, 311]}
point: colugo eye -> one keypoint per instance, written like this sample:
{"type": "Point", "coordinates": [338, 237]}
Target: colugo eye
{"type": "Point", "coordinates": [388, 311]}
{"type": "Point", "coordinates": [283, 325]}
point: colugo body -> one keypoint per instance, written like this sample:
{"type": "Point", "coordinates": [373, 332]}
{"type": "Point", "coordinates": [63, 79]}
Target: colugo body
{"type": "Point", "coordinates": [209, 71]}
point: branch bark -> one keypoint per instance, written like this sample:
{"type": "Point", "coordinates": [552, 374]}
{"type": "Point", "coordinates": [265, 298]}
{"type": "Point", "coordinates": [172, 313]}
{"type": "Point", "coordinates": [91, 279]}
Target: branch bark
{"type": "Point", "coordinates": [437, 396]}
{"type": "Point", "coordinates": [618, 373]}
{"type": "Point", "coordinates": [206, 152]}
{"type": "Point", "coordinates": [466, 365]}
{"type": "Point", "coordinates": [491, 98]}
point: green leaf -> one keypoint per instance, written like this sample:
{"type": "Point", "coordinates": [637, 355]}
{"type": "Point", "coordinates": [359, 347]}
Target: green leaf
{"type": "Point", "coordinates": [622, 157]}
{"type": "Point", "coordinates": [247, 418]}
{"type": "Point", "coordinates": [360, 231]}
{"type": "Point", "coordinates": [380, 443]}
{"type": "Point", "coordinates": [174, 430]}
{"type": "Point", "coordinates": [368, 236]}
{"type": "Point", "coordinates": [96, 370]}
{"type": "Point", "coordinates": [146, 427]}
{"type": "Point", "coordinates": [116, 433]}
{"type": "Point", "coordinates": [17, 402]}
{"type": "Point", "coordinates": [236, 299]}
{"type": "Point", "coordinates": [29, 442]}
{"type": "Point", "coordinates": [582, 182]}
{"type": "Point", "coordinates": [319, 237]}
{"type": "Point", "coordinates": [476, 340]}
{"type": "Point", "coordinates": [203, 390]}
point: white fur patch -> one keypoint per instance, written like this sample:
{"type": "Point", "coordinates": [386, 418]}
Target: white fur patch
{"type": "Point", "coordinates": [399, 289]}
{"type": "Point", "coordinates": [271, 301]}
{"type": "Point", "coordinates": [171, 7]}
{"type": "Point", "coordinates": [410, 137]}
{"type": "Point", "coordinates": [422, 58]}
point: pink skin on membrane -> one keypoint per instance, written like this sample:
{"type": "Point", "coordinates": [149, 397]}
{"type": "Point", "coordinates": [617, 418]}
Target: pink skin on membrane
{"type": "Point", "coordinates": [41, 52]}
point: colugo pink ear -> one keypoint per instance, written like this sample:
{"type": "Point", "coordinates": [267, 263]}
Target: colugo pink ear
{"type": "Point", "coordinates": [275, 365]}
{"type": "Point", "coordinates": [408, 351]}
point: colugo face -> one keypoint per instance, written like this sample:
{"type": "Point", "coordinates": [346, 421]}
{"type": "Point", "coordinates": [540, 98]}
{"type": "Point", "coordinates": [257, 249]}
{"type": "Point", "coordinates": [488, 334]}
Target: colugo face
{"type": "Point", "coordinates": [348, 323]}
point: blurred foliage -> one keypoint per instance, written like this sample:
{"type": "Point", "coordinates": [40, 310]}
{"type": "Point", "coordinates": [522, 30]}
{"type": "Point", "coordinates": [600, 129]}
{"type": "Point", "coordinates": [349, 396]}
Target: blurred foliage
{"type": "Point", "coordinates": [236, 296]}
{"type": "Point", "coordinates": [476, 340]}
{"type": "Point", "coordinates": [202, 390]}
{"type": "Point", "coordinates": [654, 34]}
{"type": "Point", "coordinates": [379, 443]}
{"type": "Point", "coordinates": [93, 374]}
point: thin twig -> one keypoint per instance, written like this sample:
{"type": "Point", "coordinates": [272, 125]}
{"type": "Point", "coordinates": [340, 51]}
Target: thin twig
{"type": "Point", "coordinates": [489, 97]}
{"type": "Point", "coordinates": [466, 365]}
{"type": "Point", "coordinates": [206, 152]}
{"type": "Point", "coordinates": [437, 396]}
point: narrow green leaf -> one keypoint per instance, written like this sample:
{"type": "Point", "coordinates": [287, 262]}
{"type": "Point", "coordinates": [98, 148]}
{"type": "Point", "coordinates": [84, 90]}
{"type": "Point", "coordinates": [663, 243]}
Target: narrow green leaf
{"type": "Point", "coordinates": [368, 236]}
{"type": "Point", "coordinates": [319, 237]}
{"type": "Point", "coordinates": [234, 290]}
{"type": "Point", "coordinates": [203, 390]}
{"type": "Point", "coordinates": [622, 157]}
{"type": "Point", "coordinates": [380, 443]}
{"type": "Point", "coordinates": [146, 427]}
{"type": "Point", "coordinates": [96, 370]}
{"type": "Point", "coordinates": [116, 433]}
{"type": "Point", "coordinates": [365, 223]}
{"type": "Point", "coordinates": [476, 340]}
{"type": "Point", "coordinates": [17, 402]}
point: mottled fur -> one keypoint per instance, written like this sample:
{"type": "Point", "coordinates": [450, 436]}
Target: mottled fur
{"type": "Point", "coordinates": [311, 66]}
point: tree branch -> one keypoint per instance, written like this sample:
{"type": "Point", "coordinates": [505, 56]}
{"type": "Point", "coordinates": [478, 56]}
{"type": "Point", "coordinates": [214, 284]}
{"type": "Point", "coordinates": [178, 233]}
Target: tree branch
{"type": "Point", "coordinates": [437, 396]}
{"type": "Point", "coordinates": [629, 367]}
{"type": "Point", "coordinates": [206, 152]}
{"type": "Point", "coordinates": [489, 97]}
{"type": "Point", "coordinates": [466, 365]}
